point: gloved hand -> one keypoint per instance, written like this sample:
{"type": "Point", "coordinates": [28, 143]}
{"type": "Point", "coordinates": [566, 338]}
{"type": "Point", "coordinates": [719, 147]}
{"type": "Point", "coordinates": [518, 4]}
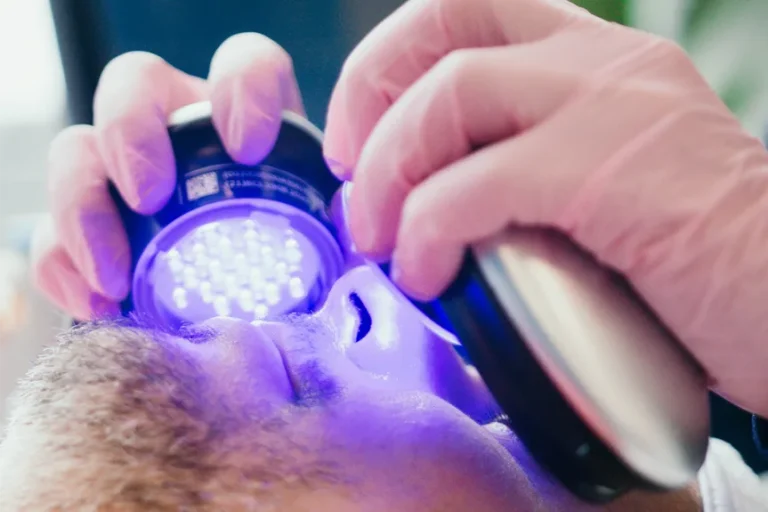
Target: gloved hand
{"type": "Point", "coordinates": [455, 119]}
{"type": "Point", "coordinates": [81, 253]}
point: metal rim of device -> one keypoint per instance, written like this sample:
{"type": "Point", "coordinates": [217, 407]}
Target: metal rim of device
{"type": "Point", "coordinates": [203, 110]}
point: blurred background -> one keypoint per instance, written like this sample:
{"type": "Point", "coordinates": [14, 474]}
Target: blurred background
{"type": "Point", "coordinates": [52, 52]}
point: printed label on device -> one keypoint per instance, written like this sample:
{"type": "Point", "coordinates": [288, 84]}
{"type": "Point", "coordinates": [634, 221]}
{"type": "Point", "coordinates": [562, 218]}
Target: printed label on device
{"type": "Point", "coordinates": [213, 183]}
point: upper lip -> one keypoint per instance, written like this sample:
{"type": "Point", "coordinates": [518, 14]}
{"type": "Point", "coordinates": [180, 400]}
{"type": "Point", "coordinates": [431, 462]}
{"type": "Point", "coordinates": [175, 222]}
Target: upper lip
{"type": "Point", "coordinates": [289, 368]}
{"type": "Point", "coordinates": [273, 334]}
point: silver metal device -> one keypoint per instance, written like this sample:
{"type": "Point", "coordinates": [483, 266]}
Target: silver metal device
{"type": "Point", "coordinates": [627, 378]}
{"type": "Point", "coordinates": [599, 391]}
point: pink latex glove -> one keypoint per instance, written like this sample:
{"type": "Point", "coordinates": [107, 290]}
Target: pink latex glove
{"type": "Point", "coordinates": [81, 253]}
{"type": "Point", "coordinates": [607, 133]}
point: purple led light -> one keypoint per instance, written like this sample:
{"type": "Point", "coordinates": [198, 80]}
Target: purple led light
{"type": "Point", "coordinates": [252, 259]}
{"type": "Point", "coordinates": [339, 212]}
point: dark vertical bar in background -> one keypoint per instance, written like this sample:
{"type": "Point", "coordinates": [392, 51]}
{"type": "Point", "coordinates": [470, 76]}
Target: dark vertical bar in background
{"type": "Point", "coordinates": [84, 52]}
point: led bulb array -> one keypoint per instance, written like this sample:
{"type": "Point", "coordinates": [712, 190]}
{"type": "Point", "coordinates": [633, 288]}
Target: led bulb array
{"type": "Point", "coordinates": [247, 264]}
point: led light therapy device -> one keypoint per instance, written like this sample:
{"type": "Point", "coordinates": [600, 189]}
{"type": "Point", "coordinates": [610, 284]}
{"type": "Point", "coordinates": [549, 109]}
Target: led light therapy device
{"type": "Point", "coordinates": [252, 242]}
{"type": "Point", "coordinates": [600, 393]}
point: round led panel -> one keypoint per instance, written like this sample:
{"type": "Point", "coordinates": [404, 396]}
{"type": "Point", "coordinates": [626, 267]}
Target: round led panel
{"type": "Point", "coordinates": [252, 259]}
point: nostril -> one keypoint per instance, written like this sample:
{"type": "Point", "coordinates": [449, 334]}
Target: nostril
{"type": "Point", "coordinates": [365, 316]}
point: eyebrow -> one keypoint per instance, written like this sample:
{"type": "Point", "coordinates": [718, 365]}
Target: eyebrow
{"type": "Point", "coordinates": [193, 333]}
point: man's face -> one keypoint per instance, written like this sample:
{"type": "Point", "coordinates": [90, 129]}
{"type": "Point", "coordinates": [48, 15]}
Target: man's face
{"type": "Point", "coordinates": [290, 416]}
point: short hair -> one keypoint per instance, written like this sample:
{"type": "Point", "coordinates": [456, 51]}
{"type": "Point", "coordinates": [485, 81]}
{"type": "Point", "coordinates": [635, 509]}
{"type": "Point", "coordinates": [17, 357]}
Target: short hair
{"type": "Point", "coordinates": [115, 417]}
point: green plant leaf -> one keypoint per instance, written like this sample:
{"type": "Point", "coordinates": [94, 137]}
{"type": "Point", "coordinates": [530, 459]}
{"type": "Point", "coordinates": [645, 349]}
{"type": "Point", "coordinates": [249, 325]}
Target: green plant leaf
{"type": "Point", "coordinates": [611, 10]}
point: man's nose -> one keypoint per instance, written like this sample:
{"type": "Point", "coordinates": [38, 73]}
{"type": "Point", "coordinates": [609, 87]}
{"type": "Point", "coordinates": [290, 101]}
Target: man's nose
{"type": "Point", "coordinates": [363, 295]}
{"type": "Point", "coordinates": [400, 349]}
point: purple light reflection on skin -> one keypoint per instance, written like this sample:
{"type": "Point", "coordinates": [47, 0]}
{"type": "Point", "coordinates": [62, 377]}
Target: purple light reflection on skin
{"type": "Point", "coordinates": [250, 259]}
{"type": "Point", "coordinates": [339, 212]}
{"type": "Point", "coordinates": [401, 350]}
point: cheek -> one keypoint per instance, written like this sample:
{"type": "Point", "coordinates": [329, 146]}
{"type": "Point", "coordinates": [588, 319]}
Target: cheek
{"type": "Point", "coordinates": [418, 449]}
